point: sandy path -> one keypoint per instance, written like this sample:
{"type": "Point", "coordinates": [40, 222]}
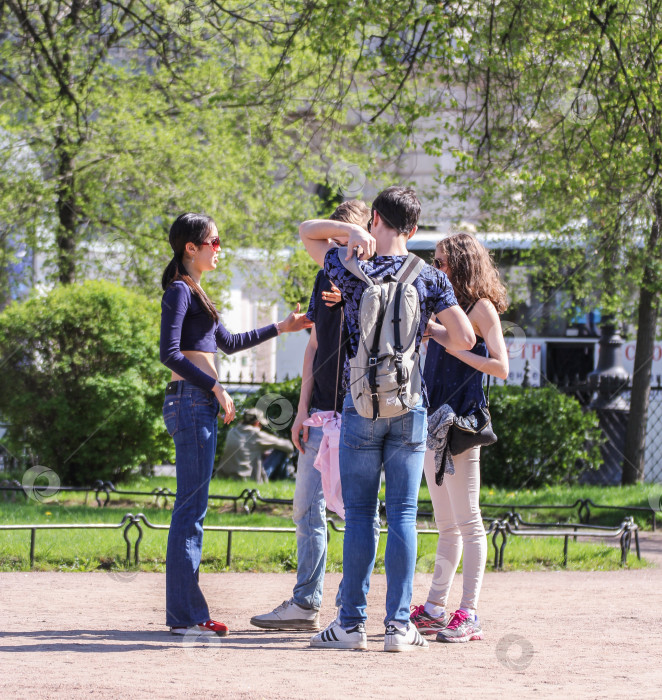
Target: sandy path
{"type": "Point", "coordinates": [548, 634]}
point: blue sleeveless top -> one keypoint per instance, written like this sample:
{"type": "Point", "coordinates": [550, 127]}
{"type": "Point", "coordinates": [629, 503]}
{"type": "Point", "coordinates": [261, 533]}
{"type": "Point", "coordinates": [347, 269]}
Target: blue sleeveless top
{"type": "Point", "coordinates": [452, 381]}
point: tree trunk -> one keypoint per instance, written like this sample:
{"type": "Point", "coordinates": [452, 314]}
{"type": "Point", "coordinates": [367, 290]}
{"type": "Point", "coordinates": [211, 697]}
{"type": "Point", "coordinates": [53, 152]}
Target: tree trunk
{"type": "Point", "coordinates": [66, 212]}
{"type": "Point", "coordinates": [635, 437]}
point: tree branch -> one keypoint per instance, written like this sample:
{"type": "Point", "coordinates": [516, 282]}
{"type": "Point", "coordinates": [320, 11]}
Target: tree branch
{"type": "Point", "coordinates": [404, 79]}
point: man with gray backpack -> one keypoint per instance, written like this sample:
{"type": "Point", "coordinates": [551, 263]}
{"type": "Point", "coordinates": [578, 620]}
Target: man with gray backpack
{"type": "Point", "coordinates": [389, 300]}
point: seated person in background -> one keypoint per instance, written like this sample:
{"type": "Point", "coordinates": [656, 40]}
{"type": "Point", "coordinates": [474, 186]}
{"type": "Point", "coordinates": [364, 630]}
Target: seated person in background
{"type": "Point", "coordinates": [245, 446]}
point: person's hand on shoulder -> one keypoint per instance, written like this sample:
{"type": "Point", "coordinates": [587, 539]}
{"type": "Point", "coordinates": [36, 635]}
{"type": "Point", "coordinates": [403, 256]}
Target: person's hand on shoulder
{"type": "Point", "coordinates": [360, 240]}
{"type": "Point", "coordinates": [333, 296]}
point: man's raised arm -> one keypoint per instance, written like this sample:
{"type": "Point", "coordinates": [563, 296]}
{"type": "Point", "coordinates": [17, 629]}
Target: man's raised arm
{"type": "Point", "coordinates": [319, 235]}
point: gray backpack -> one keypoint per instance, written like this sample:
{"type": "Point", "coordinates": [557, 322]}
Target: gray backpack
{"type": "Point", "coordinates": [385, 379]}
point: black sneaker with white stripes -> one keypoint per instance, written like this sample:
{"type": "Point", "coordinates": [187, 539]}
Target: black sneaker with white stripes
{"type": "Point", "coordinates": [404, 640]}
{"type": "Point", "coordinates": [335, 637]}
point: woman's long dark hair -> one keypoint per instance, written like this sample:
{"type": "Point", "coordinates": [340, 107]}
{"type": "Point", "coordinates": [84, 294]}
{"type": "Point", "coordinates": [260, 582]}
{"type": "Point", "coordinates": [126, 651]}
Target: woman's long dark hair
{"type": "Point", "coordinates": [188, 228]}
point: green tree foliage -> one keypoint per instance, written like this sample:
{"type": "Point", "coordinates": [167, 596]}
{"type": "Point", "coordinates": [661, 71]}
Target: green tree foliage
{"type": "Point", "coordinates": [562, 132]}
{"type": "Point", "coordinates": [128, 113]}
{"type": "Point", "coordinates": [300, 273]}
{"type": "Point", "coordinates": [560, 116]}
{"type": "Point", "coordinates": [544, 437]}
{"type": "Point", "coordinates": [81, 382]}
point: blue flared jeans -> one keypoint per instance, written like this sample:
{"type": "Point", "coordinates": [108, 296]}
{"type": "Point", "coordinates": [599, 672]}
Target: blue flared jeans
{"type": "Point", "coordinates": [399, 444]}
{"type": "Point", "coordinates": [191, 419]}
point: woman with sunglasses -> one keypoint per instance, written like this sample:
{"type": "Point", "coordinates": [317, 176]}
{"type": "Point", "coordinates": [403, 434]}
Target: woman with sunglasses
{"type": "Point", "coordinates": [190, 334]}
{"type": "Point", "coordinates": [456, 378]}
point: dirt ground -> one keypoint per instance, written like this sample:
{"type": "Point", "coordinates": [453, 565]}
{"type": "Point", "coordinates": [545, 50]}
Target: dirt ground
{"type": "Point", "coordinates": [547, 634]}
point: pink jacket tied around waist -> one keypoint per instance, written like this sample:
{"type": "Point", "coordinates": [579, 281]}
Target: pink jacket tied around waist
{"type": "Point", "coordinates": [327, 461]}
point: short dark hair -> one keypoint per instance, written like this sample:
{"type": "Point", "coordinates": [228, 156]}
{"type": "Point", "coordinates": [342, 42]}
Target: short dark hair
{"type": "Point", "coordinates": [253, 415]}
{"type": "Point", "coordinates": [399, 207]}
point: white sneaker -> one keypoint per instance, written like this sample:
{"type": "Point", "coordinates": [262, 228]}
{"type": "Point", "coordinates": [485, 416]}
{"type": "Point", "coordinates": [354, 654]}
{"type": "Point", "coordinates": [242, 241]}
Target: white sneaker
{"type": "Point", "coordinates": [335, 637]}
{"type": "Point", "coordinates": [408, 640]}
{"type": "Point", "coordinates": [336, 621]}
{"type": "Point", "coordinates": [288, 616]}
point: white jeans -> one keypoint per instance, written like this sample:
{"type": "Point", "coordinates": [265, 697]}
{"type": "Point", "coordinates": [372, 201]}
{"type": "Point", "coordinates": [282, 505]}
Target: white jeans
{"type": "Point", "coordinates": [456, 506]}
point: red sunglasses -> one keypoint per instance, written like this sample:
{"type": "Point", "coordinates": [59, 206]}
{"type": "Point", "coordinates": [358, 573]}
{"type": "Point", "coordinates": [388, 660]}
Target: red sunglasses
{"type": "Point", "coordinates": [215, 243]}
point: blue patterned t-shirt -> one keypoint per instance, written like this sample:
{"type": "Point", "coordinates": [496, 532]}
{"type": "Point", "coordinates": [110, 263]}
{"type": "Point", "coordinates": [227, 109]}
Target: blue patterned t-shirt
{"type": "Point", "coordinates": [435, 294]}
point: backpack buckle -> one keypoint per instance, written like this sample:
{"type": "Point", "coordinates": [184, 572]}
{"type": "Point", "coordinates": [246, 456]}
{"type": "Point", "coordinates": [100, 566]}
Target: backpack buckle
{"type": "Point", "coordinates": [372, 361]}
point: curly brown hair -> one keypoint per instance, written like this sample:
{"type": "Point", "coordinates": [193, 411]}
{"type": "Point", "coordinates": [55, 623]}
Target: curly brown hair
{"type": "Point", "coordinates": [472, 271]}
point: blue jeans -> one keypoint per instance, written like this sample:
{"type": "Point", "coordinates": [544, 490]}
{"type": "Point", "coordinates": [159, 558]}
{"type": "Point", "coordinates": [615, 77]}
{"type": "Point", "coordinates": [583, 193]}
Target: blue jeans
{"type": "Point", "coordinates": [398, 443]}
{"type": "Point", "coordinates": [309, 515]}
{"type": "Point", "coordinates": [191, 419]}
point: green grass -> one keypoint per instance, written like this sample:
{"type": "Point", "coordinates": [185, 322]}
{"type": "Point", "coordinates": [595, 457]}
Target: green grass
{"type": "Point", "coordinates": [89, 550]}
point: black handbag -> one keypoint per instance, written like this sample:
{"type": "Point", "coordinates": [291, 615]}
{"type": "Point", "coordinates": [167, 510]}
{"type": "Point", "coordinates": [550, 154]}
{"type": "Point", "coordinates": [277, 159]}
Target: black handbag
{"type": "Point", "coordinates": [474, 430]}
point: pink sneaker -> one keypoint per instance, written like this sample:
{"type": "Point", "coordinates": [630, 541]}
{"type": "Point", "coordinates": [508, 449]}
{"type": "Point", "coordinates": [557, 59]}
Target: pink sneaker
{"type": "Point", "coordinates": [425, 623]}
{"type": "Point", "coordinates": [462, 628]}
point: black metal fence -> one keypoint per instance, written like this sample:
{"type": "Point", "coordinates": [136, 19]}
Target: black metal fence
{"type": "Point", "coordinates": [513, 527]}
{"type": "Point", "coordinates": [582, 509]}
{"type": "Point", "coordinates": [653, 468]}
{"type": "Point", "coordinates": [613, 426]}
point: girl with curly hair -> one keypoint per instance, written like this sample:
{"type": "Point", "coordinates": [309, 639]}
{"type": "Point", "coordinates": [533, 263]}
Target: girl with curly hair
{"type": "Point", "coordinates": [455, 378]}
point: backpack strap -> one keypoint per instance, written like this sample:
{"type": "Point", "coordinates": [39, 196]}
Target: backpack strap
{"type": "Point", "coordinates": [373, 359]}
{"type": "Point", "coordinates": [410, 270]}
{"type": "Point", "coordinates": [397, 340]}
{"type": "Point", "coordinates": [342, 323]}
{"type": "Point", "coordinates": [352, 265]}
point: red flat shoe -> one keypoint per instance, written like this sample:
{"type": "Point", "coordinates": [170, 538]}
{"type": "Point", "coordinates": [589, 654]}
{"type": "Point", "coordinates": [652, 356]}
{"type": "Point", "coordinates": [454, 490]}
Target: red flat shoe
{"type": "Point", "coordinates": [211, 628]}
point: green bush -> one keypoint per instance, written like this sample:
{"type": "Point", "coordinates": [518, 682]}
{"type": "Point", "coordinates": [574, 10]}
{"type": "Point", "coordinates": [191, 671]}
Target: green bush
{"type": "Point", "coordinates": [545, 437]}
{"type": "Point", "coordinates": [82, 385]}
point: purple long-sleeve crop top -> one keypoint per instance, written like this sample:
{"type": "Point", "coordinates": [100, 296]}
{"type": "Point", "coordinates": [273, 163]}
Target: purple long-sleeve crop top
{"type": "Point", "coordinates": [186, 326]}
